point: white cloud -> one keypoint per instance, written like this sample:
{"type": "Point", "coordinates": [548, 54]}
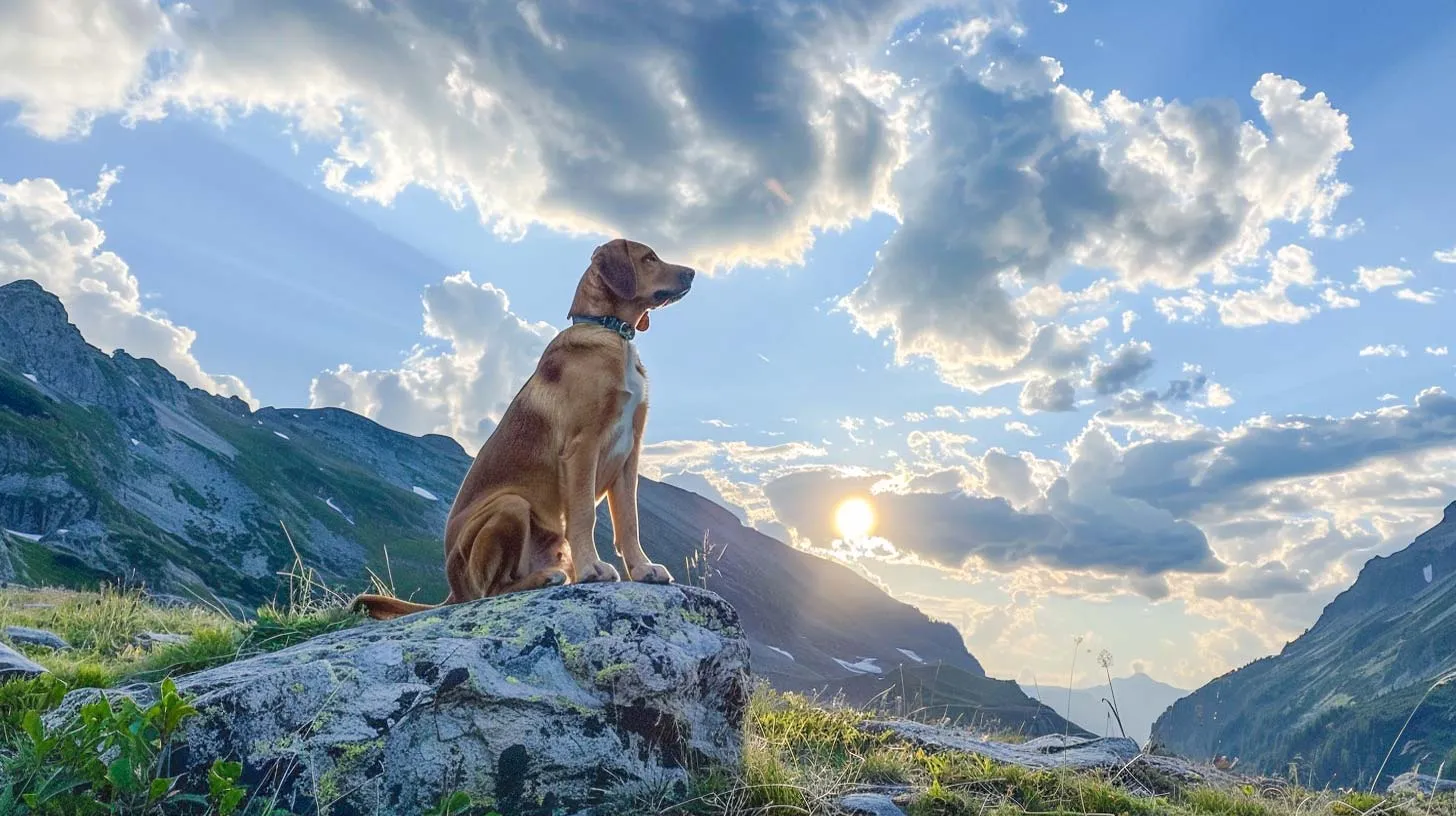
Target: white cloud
{"type": "Point", "coordinates": [1437, 351]}
{"type": "Point", "coordinates": [1426, 298]}
{"type": "Point", "coordinates": [581, 117]}
{"type": "Point", "coordinates": [1335, 300]}
{"type": "Point", "coordinates": [1058, 7]}
{"type": "Point", "coordinates": [1291, 266]}
{"type": "Point", "coordinates": [1389, 350]}
{"type": "Point", "coordinates": [1381, 277]}
{"type": "Point", "coordinates": [1022, 428]}
{"type": "Point", "coordinates": [45, 237]}
{"type": "Point", "coordinates": [1155, 192]}
{"type": "Point", "coordinates": [1445, 255]}
{"type": "Point", "coordinates": [460, 391]}
{"type": "Point", "coordinates": [1218, 396]}
{"type": "Point", "coordinates": [1127, 318]}
{"type": "Point", "coordinates": [66, 61]}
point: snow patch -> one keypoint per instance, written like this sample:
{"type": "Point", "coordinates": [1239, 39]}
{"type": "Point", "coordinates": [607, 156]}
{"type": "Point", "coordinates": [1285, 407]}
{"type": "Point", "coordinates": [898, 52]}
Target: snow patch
{"type": "Point", "coordinates": [1427, 573]}
{"type": "Point", "coordinates": [32, 378]}
{"type": "Point", "coordinates": [866, 665]}
{"type": "Point", "coordinates": [423, 493]}
{"type": "Point", "coordinates": [295, 416]}
{"type": "Point", "coordinates": [280, 435]}
{"type": "Point", "coordinates": [134, 441]}
{"type": "Point", "coordinates": [330, 502]}
{"type": "Point", "coordinates": [915, 657]}
{"type": "Point", "coordinates": [27, 536]}
{"type": "Point", "coordinates": [133, 381]}
{"type": "Point", "coordinates": [782, 652]}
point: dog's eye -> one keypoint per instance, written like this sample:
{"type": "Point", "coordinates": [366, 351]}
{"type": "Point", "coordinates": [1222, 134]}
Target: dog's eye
{"type": "Point", "coordinates": [651, 256]}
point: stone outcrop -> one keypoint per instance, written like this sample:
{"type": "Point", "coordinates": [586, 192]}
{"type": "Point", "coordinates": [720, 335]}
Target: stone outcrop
{"type": "Point", "coordinates": [554, 701]}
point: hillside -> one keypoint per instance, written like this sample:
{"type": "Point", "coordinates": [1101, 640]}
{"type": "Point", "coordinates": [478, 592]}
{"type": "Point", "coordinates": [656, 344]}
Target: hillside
{"type": "Point", "coordinates": [111, 467]}
{"type": "Point", "coordinates": [1334, 699]}
{"type": "Point", "coordinates": [1140, 701]}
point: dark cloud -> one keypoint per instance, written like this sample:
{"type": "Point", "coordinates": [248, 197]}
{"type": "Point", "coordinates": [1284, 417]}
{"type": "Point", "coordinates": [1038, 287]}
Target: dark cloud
{"type": "Point", "coordinates": [1129, 363]}
{"type": "Point", "coordinates": [1182, 476]}
{"type": "Point", "coordinates": [1047, 394]}
{"type": "Point", "coordinates": [1254, 583]}
{"type": "Point", "coordinates": [713, 127]}
{"type": "Point", "coordinates": [949, 528]}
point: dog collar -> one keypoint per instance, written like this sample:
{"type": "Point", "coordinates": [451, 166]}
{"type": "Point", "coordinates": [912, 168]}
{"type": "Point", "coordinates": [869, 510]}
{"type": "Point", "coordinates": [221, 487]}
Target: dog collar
{"type": "Point", "coordinates": [616, 324]}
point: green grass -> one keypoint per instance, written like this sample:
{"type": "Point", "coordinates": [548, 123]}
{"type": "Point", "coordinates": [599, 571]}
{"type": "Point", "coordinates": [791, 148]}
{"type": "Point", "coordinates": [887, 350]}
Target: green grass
{"type": "Point", "coordinates": [801, 757]}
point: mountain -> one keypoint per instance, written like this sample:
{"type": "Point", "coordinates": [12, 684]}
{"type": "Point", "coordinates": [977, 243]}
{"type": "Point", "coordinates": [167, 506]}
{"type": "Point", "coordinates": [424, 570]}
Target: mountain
{"type": "Point", "coordinates": [112, 468]}
{"type": "Point", "coordinates": [1335, 698]}
{"type": "Point", "coordinates": [1140, 699]}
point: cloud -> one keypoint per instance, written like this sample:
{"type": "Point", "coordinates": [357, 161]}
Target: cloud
{"type": "Point", "coordinates": [1445, 255]}
{"type": "Point", "coordinates": [1335, 300]}
{"type": "Point", "coordinates": [45, 237]}
{"type": "Point", "coordinates": [1254, 582]}
{"type": "Point", "coordinates": [1022, 177]}
{"type": "Point", "coordinates": [1292, 266]}
{"type": "Point", "coordinates": [1390, 350]}
{"type": "Point", "coordinates": [1381, 277]}
{"type": "Point", "coordinates": [1437, 351]}
{"type": "Point", "coordinates": [1425, 298]}
{"type": "Point", "coordinates": [460, 390]}
{"type": "Point", "coordinates": [103, 46]}
{"type": "Point", "coordinates": [1129, 364]}
{"type": "Point", "coordinates": [716, 133]}
{"type": "Point", "coordinates": [1022, 428]}
{"type": "Point", "coordinates": [950, 528]}
{"type": "Point", "coordinates": [1047, 394]}
{"type": "Point", "coordinates": [1182, 475]}
{"type": "Point", "coordinates": [1127, 318]}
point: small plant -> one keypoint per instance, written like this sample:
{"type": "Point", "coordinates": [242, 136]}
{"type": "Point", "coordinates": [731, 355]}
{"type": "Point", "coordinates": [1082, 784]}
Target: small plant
{"type": "Point", "coordinates": [699, 565]}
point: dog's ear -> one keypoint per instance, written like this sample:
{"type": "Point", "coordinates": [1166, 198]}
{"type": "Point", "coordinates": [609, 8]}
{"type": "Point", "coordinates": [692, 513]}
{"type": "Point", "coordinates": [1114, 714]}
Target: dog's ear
{"type": "Point", "coordinates": [614, 263]}
{"type": "Point", "coordinates": [643, 322]}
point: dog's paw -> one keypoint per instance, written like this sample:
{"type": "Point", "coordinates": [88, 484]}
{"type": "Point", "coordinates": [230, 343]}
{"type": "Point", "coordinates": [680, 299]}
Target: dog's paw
{"type": "Point", "coordinates": [650, 573]}
{"type": "Point", "coordinates": [597, 572]}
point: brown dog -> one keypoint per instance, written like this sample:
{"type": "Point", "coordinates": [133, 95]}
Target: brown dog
{"type": "Point", "coordinates": [525, 515]}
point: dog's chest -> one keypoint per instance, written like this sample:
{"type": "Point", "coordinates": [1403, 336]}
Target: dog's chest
{"type": "Point", "coordinates": [620, 437]}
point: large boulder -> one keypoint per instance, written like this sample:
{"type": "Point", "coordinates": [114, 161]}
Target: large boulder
{"type": "Point", "coordinates": [568, 700]}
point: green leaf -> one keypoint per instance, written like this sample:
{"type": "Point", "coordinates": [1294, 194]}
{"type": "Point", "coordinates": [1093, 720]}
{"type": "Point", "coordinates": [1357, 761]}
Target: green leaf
{"type": "Point", "coordinates": [121, 775]}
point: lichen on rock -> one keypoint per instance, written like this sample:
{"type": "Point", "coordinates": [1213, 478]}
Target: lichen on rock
{"type": "Point", "coordinates": [580, 696]}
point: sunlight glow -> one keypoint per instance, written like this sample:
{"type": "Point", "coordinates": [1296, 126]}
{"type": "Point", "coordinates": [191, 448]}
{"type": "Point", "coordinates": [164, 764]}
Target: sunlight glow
{"type": "Point", "coordinates": [854, 519]}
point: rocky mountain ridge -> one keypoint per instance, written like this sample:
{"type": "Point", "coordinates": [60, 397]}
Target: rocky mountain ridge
{"type": "Point", "coordinates": [1334, 699]}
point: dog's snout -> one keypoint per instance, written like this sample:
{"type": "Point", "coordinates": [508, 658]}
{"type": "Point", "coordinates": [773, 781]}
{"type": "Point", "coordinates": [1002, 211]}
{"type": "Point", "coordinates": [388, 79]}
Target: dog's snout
{"type": "Point", "coordinates": [685, 277]}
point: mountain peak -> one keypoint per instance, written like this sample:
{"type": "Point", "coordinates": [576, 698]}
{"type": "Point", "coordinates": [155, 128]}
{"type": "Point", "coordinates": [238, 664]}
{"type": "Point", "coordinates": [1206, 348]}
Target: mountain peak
{"type": "Point", "coordinates": [1450, 515]}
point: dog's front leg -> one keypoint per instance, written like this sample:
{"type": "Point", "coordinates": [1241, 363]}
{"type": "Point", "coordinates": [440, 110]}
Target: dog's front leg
{"type": "Point", "coordinates": [622, 502]}
{"type": "Point", "coordinates": [579, 473]}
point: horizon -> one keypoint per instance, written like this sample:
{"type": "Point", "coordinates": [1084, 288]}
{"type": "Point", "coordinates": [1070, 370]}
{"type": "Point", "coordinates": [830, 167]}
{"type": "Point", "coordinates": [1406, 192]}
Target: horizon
{"type": "Point", "coordinates": [1103, 328]}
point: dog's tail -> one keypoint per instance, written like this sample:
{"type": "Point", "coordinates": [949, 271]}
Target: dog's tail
{"type": "Point", "coordinates": [383, 607]}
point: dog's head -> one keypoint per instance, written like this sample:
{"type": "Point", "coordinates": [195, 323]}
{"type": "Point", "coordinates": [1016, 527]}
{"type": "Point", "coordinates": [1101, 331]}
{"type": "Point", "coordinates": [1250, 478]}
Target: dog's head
{"type": "Point", "coordinates": [635, 280]}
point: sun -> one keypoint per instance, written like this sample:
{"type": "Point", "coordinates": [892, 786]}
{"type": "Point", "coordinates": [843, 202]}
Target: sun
{"type": "Point", "coordinates": [854, 518]}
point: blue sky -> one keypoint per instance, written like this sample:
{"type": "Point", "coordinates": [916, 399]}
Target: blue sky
{"type": "Point", "coordinates": [1235, 216]}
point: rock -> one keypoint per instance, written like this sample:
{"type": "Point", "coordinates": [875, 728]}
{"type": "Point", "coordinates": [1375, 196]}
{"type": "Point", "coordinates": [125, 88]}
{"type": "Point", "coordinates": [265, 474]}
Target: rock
{"type": "Point", "coordinates": [151, 640]}
{"type": "Point", "coordinates": [1419, 783]}
{"type": "Point", "coordinates": [870, 804]}
{"type": "Point", "coordinates": [542, 702]}
{"type": "Point", "coordinates": [14, 665]}
{"type": "Point", "coordinates": [1140, 773]}
{"type": "Point", "coordinates": [36, 637]}
{"type": "Point", "coordinates": [1055, 751]}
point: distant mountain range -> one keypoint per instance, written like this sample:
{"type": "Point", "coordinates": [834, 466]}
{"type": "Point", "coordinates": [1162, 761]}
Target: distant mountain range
{"type": "Point", "coordinates": [1140, 700]}
{"type": "Point", "coordinates": [110, 467]}
{"type": "Point", "coordinates": [1333, 701]}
